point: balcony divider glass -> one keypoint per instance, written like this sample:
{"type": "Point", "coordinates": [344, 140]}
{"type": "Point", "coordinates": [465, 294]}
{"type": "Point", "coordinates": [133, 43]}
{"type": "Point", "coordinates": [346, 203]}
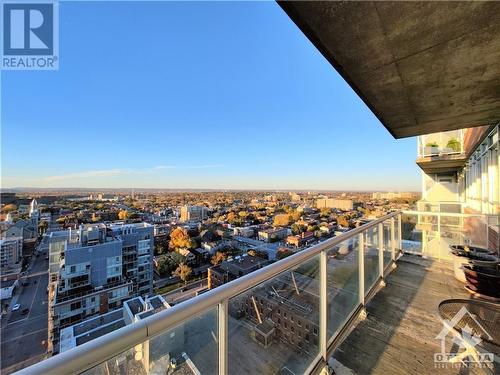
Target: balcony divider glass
{"type": "Point", "coordinates": [282, 317]}
{"type": "Point", "coordinates": [430, 234]}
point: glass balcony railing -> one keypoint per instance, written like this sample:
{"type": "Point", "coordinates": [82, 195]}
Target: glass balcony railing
{"type": "Point", "coordinates": [287, 317]}
{"type": "Point", "coordinates": [430, 233]}
{"type": "Point", "coordinates": [440, 144]}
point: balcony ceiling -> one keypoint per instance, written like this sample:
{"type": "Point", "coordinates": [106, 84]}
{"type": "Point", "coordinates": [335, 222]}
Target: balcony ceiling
{"type": "Point", "coordinates": [421, 67]}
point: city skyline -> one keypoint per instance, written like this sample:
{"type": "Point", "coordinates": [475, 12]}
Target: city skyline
{"type": "Point", "coordinates": [249, 105]}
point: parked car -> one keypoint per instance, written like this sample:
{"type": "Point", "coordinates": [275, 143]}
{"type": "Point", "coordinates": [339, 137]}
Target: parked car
{"type": "Point", "coordinates": [16, 307]}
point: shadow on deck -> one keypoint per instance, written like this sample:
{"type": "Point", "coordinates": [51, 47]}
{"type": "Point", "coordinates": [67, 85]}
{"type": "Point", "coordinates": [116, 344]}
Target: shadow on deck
{"type": "Point", "coordinates": [398, 335]}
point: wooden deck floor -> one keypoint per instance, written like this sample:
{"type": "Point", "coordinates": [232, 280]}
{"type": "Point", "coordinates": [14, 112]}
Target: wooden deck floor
{"type": "Point", "coordinates": [398, 335]}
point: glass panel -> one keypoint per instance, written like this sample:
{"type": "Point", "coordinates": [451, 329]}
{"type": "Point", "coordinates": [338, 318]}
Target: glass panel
{"type": "Point", "coordinates": [432, 235]}
{"type": "Point", "coordinates": [189, 348]}
{"type": "Point", "coordinates": [411, 237]}
{"type": "Point", "coordinates": [276, 324]}
{"type": "Point", "coordinates": [343, 283]}
{"type": "Point", "coordinates": [371, 258]}
{"type": "Point", "coordinates": [387, 242]}
{"type": "Point", "coordinates": [397, 220]}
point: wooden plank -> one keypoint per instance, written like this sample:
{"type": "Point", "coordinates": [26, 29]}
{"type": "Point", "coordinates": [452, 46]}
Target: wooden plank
{"type": "Point", "coordinates": [398, 335]}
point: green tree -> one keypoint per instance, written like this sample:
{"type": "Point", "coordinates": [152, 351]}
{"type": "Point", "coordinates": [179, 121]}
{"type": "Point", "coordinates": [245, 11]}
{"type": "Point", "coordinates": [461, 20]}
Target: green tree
{"type": "Point", "coordinates": [297, 228]}
{"type": "Point", "coordinates": [283, 253]}
{"type": "Point", "coordinates": [168, 263]}
{"type": "Point", "coordinates": [325, 212]}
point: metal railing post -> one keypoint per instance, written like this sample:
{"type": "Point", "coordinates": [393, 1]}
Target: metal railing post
{"type": "Point", "coordinates": [439, 233]}
{"type": "Point", "coordinates": [400, 233]}
{"type": "Point", "coordinates": [393, 240]}
{"type": "Point", "coordinates": [381, 250]}
{"type": "Point", "coordinates": [361, 267]}
{"type": "Point", "coordinates": [323, 305]}
{"type": "Point", "coordinates": [223, 336]}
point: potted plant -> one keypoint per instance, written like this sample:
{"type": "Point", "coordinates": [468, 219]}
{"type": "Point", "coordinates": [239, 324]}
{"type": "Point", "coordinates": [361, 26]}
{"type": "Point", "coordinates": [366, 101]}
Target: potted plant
{"type": "Point", "coordinates": [463, 255]}
{"type": "Point", "coordinates": [454, 145]}
{"type": "Point", "coordinates": [431, 148]}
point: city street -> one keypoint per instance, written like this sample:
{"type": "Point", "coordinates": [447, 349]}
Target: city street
{"type": "Point", "coordinates": [24, 336]}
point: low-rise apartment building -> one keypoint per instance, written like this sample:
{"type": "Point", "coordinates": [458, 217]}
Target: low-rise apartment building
{"type": "Point", "coordinates": [273, 234]}
{"type": "Point", "coordinates": [10, 251]}
{"type": "Point", "coordinates": [231, 269]}
{"type": "Point", "coordinates": [300, 240]}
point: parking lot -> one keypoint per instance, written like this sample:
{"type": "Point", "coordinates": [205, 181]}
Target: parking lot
{"type": "Point", "coordinates": [24, 336]}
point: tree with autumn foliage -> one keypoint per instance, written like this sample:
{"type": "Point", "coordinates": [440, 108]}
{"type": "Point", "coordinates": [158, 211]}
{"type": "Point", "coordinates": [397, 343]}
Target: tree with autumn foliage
{"type": "Point", "coordinates": [179, 239]}
{"type": "Point", "coordinates": [218, 258]}
{"type": "Point", "coordinates": [281, 220]}
{"type": "Point", "coordinates": [343, 221]}
{"type": "Point", "coordinates": [183, 271]}
{"type": "Point", "coordinates": [123, 215]}
{"type": "Point", "coordinates": [9, 208]}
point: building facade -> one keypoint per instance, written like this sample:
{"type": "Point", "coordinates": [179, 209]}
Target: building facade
{"type": "Point", "coordinates": [10, 251]}
{"type": "Point", "coordinates": [460, 178]}
{"type": "Point", "coordinates": [340, 204]}
{"type": "Point", "coordinates": [193, 213]}
{"type": "Point", "coordinates": [92, 270]}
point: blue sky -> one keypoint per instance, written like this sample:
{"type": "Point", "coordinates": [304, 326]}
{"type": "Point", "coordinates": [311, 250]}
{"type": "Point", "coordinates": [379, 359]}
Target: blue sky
{"type": "Point", "coordinates": [192, 95]}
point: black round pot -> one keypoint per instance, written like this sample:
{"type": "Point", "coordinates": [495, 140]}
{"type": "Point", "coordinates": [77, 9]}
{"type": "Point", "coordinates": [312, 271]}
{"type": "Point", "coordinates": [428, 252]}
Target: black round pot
{"type": "Point", "coordinates": [483, 281]}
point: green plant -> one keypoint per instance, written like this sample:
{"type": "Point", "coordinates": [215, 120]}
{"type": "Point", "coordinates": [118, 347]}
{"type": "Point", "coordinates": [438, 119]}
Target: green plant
{"type": "Point", "coordinates": [454, 144]}
{"type": "Point", "coordinates": [432, 144]}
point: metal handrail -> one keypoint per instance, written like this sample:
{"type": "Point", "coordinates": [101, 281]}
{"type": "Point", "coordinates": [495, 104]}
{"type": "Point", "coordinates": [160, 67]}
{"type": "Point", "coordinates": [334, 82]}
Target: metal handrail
{"type": "Point", "coordinates": [101, 349]}
{"type": "Point", "coordinates": [439, 213]}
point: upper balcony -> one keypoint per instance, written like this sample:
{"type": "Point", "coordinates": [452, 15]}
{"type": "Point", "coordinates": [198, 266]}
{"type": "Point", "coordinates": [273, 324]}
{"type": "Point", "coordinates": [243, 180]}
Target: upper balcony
{"type": "Point", "coordinates": [441, 152]}
{"type": "Point", "coordinates": [353, 300]}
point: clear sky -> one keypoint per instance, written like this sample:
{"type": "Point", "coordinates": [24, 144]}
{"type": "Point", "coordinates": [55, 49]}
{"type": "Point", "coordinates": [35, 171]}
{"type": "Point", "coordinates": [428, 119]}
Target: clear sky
{"type": "Point", "coordinates": [192, 95]}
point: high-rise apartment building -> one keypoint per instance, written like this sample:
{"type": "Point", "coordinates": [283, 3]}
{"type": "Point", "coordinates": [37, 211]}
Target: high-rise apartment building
{"type": "Point", "coordinates": [193, 213]}
{"type": "Point", "coordinates": [94, 269]}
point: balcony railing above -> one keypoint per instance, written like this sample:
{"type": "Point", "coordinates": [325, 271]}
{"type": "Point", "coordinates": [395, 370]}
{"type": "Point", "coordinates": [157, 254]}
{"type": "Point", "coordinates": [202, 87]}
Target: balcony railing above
{"type": "Point", "coordinates": [441, 144]}
{"type": "Point", "coordinates": [290, 315]}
